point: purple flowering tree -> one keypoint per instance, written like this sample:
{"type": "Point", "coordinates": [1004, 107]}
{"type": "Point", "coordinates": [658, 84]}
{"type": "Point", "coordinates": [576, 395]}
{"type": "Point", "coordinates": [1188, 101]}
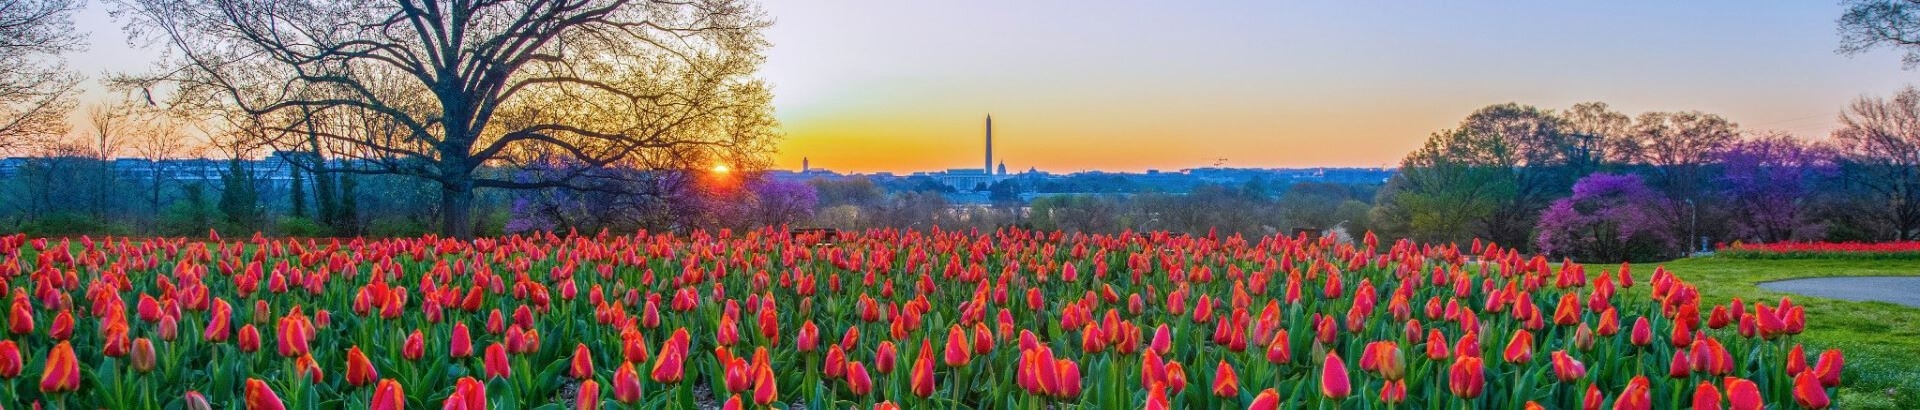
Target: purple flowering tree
{"type": "Point", "coordinates": [1766, 182]}
{"type": "Point", "coordinates": [1609, 218]}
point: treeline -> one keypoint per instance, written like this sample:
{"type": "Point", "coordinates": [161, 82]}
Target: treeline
{"type": "Point", "coordinates": [1598, 185]}
{"type": "Point", "coordinates": [1256, 207]}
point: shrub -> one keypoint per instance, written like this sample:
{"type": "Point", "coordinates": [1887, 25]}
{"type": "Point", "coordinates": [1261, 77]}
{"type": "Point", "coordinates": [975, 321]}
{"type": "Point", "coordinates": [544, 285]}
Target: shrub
{"type": "Point", "coordinates": [1609, 218]}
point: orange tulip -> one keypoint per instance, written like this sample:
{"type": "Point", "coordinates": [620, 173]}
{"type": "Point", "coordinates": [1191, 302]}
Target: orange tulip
{"type": "Point", "coordinates": [1225, 384]}
{"type": "Point", "coordinates": [261, 397]}
{"type": "Point", "coordinates": [1334, 383]}
{"type": "Point", "coordinates": [62, 371]}
{"type": "Point", "coordinates": [581, 365]}
{"type": "Point", "coordinates": [306, 366]}
{"type": "Point", "coordinates": [1157, 398]}
{"type": "Point", "coordinates": [886, 405]}
{"type": "Point", "coordinates": [1808, 392]}
{"type": "Point", "coordinates": [495, 363]}
{"type": "Point", "coordinates": [1267, 400]}
{"type": "Point", "coordinates": [588, 398]}
{"type": "Point", "coordinates": [1637, 396]}
{"type": "Point", "coordinates": [1742, 394]}
{"type": "Point", "coordinates": [626, 384]}
{"type": "Point", "coordinates": [388, 395]}
{"type": "Point", "coordinates": [921, 380]}
{"type": "Point", "coordinates": [468, 394]}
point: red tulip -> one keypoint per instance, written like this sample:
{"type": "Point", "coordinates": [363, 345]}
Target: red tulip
{"type": "Point", "coordinates": [294, 336]}
{"type": "Point", "coordinates": [1225, 383]}
{"type": "Point", "coordinates": [306, 366]}
{"type": "Point", "coordinates": [626, 384]}
{"type": "Point", "coordinates": [193, 400]}
{"type": "Point", "coordinates": [883, 357]}
{"type": "Point", "coordinates": [388, 395]}
{"type": "Point", "coordinates": [1566, 368]}
{"type": "Point", "coordinates": [10, 362]}
{"type": "Point", "coordinates": [468, 394]}
{"type": "Point", "coordinates": [885, 405]}
{"type": "Point", "coordinates": [62, 328]}
{"type": "Point", "coordinates": [219, 323]}
{"type": "Point", "coordinates": [462, 344]}
{"type": "Point", "coordinates": [62, 371]}
{"type": "Point", "coordinates": [581, 365]}
{"type": "Point", "coordinates": [20, 318]}
{"type": "Point", "coordinates": [495, 363]}
{"type": "Point", "coordinates": [857, 379]}
{"type": "Point", "coordinates": [957, 352]}
{"type": "Point", "coordinates": [1706, 397]}
{"type": "Point", "coordinates": [1828, 370]}
{"type": "Point", "coordinates": [733, 403]}
{"type": "Point", "coordinates": [1808, 392]}
{"type": "Point", "coordinates": [415, 347]}
{"type": "Point", "coordinates": [669, 366]}
{"type": "Point", "coordinates": [1176, 376]}
{"type": "Point", "coordinates": [1742, 394]}
{"type": "Point", "coordinates": [765, 388]}
{"type": "Point", "coordinates": [249, 339]}
{"type": "Point", "coordinates": [1642, 333]}
{"type": "Point", "coordinates": [360, 371]}
{"type": "Point", "coordinates": [1637, 396]}
{"type": "Point", "coordinates": [1334, 383]}
{"type": "Point", "coordinates": [921, 380]}
{"type": "Point", "coordinates": [1467, 377]}
{"type": "Point", "coordinates": [1796, 360]}
{"type": "Point", "coordinates": [1520, 349]}
{"type": "Point", "coordinates": [261, 397]}
{"type": "Point", "coordinates": [1395, 391]}
{"type": "Point", "coordinates": [808, 340]}
{"type": "Point", "coordinates": [1267, 400]}
{"type": "Point", "coordinates": [1157, 399]}
{"type": "Point", "coordinates": [588, 398]}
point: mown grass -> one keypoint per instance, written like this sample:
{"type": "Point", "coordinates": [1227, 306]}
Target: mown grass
{"type": "Point", "coordinates": [1881, 340]}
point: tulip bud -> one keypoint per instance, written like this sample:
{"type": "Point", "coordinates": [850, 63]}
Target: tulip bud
{"type": "Point", "coordinates": [142, 355]}
{"type": "Point", "coordinates": [193, 400]}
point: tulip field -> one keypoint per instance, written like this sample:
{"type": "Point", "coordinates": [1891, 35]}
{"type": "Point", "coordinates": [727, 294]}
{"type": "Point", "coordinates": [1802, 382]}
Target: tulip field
{"type": "Point", "coordinates": [878, 319]}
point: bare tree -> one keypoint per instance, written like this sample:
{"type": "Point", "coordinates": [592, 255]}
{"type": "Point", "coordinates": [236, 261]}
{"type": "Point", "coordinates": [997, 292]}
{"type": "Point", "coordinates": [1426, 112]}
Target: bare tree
{"type": "Point", "coordinates": [1609, 134]}
{"type": "Point", "coordinates": [36, 89]}
{"type": "Point", "coordinates": [159, 140]}
{"type": "Point", "coordinates": [1878, 145]}
{"type": "Point", "coordinates": [469, 84]}
{"type": "Point", "coordinates": [1871, 24]}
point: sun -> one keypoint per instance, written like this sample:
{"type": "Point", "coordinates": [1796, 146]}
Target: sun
{"type": "Point", "coordinates": [721, 169]}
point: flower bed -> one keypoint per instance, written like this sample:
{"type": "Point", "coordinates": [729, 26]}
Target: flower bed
{"type": "Point", "coordinates": [884, 319]}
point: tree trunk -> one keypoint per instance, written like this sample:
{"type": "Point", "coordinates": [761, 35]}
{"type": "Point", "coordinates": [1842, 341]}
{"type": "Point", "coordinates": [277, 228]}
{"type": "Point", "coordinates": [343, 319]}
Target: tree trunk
{"type": "Point", "coordinates": [456, 207]}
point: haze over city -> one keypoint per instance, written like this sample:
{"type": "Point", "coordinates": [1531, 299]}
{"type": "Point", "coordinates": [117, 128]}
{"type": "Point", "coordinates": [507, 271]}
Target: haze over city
{"type": "Point", "coordinates": [1134, 85]}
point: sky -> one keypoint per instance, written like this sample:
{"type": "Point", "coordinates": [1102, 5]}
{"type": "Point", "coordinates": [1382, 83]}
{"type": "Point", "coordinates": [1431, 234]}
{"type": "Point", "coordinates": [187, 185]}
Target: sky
{"type": "Point", "coordinates": [1129, 85]}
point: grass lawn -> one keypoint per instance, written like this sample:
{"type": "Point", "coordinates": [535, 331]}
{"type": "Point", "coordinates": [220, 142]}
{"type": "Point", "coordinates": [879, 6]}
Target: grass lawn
{"type": "Point", "coordinates": [1881, 340]}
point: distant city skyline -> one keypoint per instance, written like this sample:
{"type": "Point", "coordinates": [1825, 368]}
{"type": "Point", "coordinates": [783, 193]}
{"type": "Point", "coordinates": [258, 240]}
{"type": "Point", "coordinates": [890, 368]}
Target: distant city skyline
{"type": "Point", "coordinates": [1132, 85]}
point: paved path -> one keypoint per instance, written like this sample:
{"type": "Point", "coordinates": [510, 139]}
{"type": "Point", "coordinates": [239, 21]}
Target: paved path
{"type": "Point", "coordinates": [1903, 290]}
